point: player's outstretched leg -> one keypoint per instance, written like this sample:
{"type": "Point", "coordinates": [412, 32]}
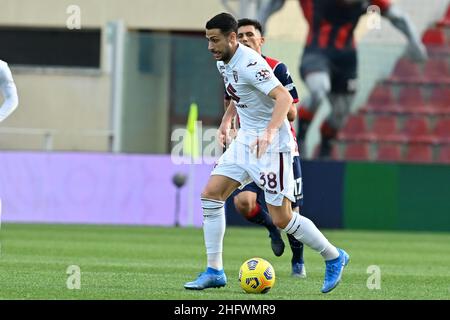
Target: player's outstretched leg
{"type": "Point", "coordinates": [246, 204]}
{"type": "Point", "coordinates": [336, 259]}
{"type": "Point", "coordinates": [306, 232]}
{"type": "Point", "coordinates": [298, 265]}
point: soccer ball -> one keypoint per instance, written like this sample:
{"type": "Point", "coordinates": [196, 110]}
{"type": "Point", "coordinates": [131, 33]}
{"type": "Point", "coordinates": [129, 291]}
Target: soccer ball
{"type": "Point", "coordinates": [256, 275]}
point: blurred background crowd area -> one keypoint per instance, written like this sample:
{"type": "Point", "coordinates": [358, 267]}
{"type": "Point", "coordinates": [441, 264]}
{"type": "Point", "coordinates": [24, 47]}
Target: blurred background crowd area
{"type": "Point", "coordinates": [125, 80]}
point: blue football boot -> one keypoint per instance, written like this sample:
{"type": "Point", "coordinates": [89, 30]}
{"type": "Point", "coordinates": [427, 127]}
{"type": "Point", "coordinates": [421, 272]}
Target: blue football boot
{"type": "Point", "coordinates": [333, 271]}
{"type": "Point", "coordinates": [211, 278]}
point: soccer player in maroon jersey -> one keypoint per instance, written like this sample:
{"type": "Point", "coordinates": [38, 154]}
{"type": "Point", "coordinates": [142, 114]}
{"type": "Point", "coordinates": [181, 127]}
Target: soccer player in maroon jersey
{"type": "Point", "coordinates": [249, 201]}
{"type": "Point", "coordinates": [262, 151]}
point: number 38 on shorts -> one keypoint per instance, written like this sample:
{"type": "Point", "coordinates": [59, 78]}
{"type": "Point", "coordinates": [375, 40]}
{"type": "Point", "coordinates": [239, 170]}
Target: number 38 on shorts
{"type": "Point", "coordinates": [268, 180]}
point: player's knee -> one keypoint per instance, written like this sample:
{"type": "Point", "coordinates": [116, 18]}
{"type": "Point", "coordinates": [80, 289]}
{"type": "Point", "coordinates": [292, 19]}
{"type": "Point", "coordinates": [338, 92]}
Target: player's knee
{"type": "Point", "coordinates": [243, 205]}
{"type": "Point", "coordinates": [209, 194]}
{"type": "Point", "coordinates": [280, 221]}
{"type": "Point", "coordinates": [317, 97]}
{"type": "Point", "coordinates": [319, 86]}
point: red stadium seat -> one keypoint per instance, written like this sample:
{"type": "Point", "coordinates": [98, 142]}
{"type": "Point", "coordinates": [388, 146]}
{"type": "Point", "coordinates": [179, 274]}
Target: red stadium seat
{"type": "Point", "coordinates": [434, 37]}
{"type": "Point", "coordinates": [440, 100]}
{"type": "Point", "coordinates": [436, 43]}
{"type": "Point", "coordinates": [416, 129]}
{"type": "Point", "coordinates": [389, 152]}
{"type": "Point", "coordinates": [406, 71]}
{"type": "Point", "coordinates": [357, 151]}
{"type": "Point", "coordinates": [410, 100]}
{"type": "Point", "coordinates": [419, 153]}
{"type": "Point", "coordinates": [354, 129]}
{"type": "Point", "coordinates": [385, 129]}
{"type": "Point", "coordinates": [445, 21]}
{"type": "Point", "coordinates": [381, 100]}
{"type": "Point", "coordinates": [444, 154]}
{"type": "Point", "coordinates": [441, 131]}
{"type": "Point", "coordinates": [436, 71]}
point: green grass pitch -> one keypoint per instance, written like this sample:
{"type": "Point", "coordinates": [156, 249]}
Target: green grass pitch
{"type": "Point", "coordinates": [134, 262]}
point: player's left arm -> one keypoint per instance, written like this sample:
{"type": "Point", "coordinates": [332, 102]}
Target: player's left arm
{"type": "Point", "coordinates": [402, 22]}
{"type": "Point", "coordinates": [9, 92]}
{"type": "Point", "coordinates": [283, 101]}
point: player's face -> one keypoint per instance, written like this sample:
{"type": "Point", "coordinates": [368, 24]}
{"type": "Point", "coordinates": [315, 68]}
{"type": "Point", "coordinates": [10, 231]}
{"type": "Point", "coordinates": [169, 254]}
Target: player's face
{"type": "Point", "coordinates": [251, 37]}
{"type": "Point", "coordinates": [220, 45]}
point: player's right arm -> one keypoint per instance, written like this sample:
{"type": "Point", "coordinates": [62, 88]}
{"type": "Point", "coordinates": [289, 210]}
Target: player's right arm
{"type": "Point", "coordinates": [227, 101]}
{"type": "Point", "coordinates": [9, 92]}
{"type": "Point", "coordinates": [223, 133]}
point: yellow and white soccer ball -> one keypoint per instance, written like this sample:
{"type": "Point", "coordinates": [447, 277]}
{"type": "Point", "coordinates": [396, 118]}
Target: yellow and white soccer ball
{"type": "Point", "coordinates": [256, 275]}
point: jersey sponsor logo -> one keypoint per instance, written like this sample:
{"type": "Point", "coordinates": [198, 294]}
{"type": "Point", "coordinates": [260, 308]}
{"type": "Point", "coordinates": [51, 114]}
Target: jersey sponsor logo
{"type": "Point", "coordinates": [241, 105]}
{"type": "Point", "coordinates": [235, 76]}
{"type": "Point", "coordinates": [252, 64]}
{"type": "Point", "coordinates": [263, 74]}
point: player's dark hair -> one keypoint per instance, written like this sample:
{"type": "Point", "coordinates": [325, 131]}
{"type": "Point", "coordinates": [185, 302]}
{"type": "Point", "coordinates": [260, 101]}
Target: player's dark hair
{"type": "Point", "coordinates": [223, 21]}
{"type": "Point", "coordinates": [250, 22]}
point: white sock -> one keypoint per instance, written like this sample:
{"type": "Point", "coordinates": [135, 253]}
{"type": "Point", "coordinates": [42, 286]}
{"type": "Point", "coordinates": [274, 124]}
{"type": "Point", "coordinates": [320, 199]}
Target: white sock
{"type": "Point", "coordinates": [213, 231]}
{"type": "Point", "coordinates": [305, 231]}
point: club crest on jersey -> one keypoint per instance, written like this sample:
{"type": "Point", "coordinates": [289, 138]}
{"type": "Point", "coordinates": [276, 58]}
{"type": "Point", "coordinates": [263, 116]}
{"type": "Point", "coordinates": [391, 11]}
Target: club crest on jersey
{"type": "Point", "coordinates": [262, 75]}
{"type": "Point", "coordinates": [235, 76]}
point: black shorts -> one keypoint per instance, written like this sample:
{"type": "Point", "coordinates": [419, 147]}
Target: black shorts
{"type": "Point", "coordinates": [340, 65]}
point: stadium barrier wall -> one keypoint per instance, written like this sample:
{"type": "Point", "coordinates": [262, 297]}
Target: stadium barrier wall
{"type": "Point", "coordinates": [137, 189]}
{"type": "Point", "coordinates": [373, 196]}
{"type": "Point", "coordinates": [397, 197]}
{"type": "Point", "coordinates": [95, 188]}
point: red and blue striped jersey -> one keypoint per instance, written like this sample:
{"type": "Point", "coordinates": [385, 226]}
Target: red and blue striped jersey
{"type": "Point", "coordinates": [332, 22]}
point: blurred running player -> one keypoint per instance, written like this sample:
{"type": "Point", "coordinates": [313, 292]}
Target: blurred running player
{"type": "Point", "coordinates": [329, 60]}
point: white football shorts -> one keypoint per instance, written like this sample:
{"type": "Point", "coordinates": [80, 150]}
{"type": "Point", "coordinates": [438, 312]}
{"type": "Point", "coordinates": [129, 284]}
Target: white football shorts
{"type": "Point", "coordinates": [272, 172]}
